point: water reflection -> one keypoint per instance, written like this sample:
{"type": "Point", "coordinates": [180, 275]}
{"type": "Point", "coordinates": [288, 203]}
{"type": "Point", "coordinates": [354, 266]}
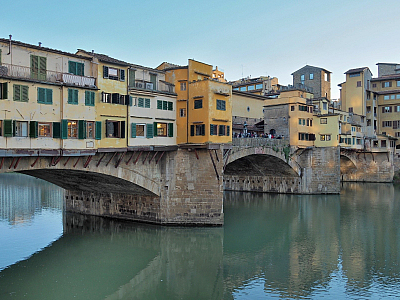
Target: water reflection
{"type": "Point", "coordinates": [271, 246]}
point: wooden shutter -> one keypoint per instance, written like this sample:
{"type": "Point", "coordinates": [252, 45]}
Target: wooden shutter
{"type": "Point", "coordinates": [80, 69]}
{"type": "Point", "coordinates": [155, 128]}
{"type": "Point", "coordinates": [211, 129]}
{"type": "Point", "coordinates": [130, 100]}
{"type": "Point", "coordinates": [153, 79]}
{"type": "Point", "coordinates": [394, 124]}
{"type": "Point", "coordinates": [41, 95]}
{"type": "Point", "coordinates": [131, 77]}
{"type": "Point", "coordinates": [56, 130]}
{"type": "Point", "coordinates": [170, 129]}
{"type": "Point", "coordinates": [34, 66]}
{"type": "Point", "coordinates": [383, 109]}
{"type": "Point", "coordinates": [115, 98]}
{"type": "Point", "coordinates": [70, 96]}
{"type": "Point", "coordinates": [64, 129]}
{"type": "Point", "coordinates": [3, 90]}
{"type": "Point", "coordinates": [98, 130]}
{"type": "Point", "coordinates": [228, 130]}
{"type": "Point", "coordinates": [122, 124]}
{"type": "Point", "coordinates": [133, 130]}
{"type": "Point", "coordinates": [33, 129]}
{"type": "Point", "coordinates": [149, 131]}
{"type": "Point", "coordinates": [165, 105]}
{"type": "Point", "coordinates": [81, 129]}
{"type": "Point", "coordinates": [49, 96]}
{"type": "Point", "coordinates": [42, 68]}
{"type": "Point", "coordinates": [140, 102]}
{"type": "Point", "coordinates": [159, 104]}
{"type": "Point", "coordinates": [8, 128]}
{"type": "Point", "coordinates": [76, 93]}
{"type": "Point", "coordinates": [147, 103]}
{"type": "Point", "coordinates": [24, 93]}
{"type": "Point", "coordinates": [72, 67]}
{"type": "Point", "coordinates": [170, 105]}
{"type": "Point", "coordinates": [203, 129]}
{"type": "Point", "coordinates": [105, 72]}
{"type": "Point", "coordinates": [87, 98]}
{"type": "Point", "coordinates": [17, 92]}
{"type": "Point", "coordinates": [122, 75]}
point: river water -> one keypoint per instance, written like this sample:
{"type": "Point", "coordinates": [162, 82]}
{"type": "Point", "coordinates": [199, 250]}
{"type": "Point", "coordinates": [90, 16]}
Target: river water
{"type": "Point", "coordinates": [343, 246]}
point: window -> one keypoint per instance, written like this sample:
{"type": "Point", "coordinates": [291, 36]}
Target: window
{"type": "Point", "coordinates": [89, 98]}
{"type": "Point", "coordinates": [213, 129]}
{"type": "Point", "coordinates": [325, 137]}
{"type": "Point", "coordinates": [38, 67]}
{"type": "Point", "coordinates": [302, 107]}
{"type": "Point", "coordinates": [259, 86]}
{"type": "Point", "coordinates": [396, 108]}
{"type": "Point", "coordinates": [311, 76]}
{"type": "Point", "coordinates": [72, 129]}
{"type": "Point", "coordinates": [21, 93]}
{"type": "Point", "coordinates": [350, 109]}
{"type": "Point", "coordinates": [142, 102]}
{"type": "Point", "coordinates": [44, 129]}
{"type": "Point", "coordinates": [383, 143]}
{"type": "Point", "coordinates": [324, 106]}
{"type": "Point", "coordinates": [386, 97]}
{"type": "Point", "coordinates": [119, 99]}
{"type": "Point", "coordinates": [182, 112]}
{"type": "Point", "coordinates": [354, 75]}
{"type": "Point", "coordinates": [162, 129]}
{"type": "Point", "coordinates": [243, 89]}
{"type": "Point", "coordinates": [374, 85]}
{"type": "Point", "coordinates": [306, 136]}
{"type": "Point", "coordinates": [250, 88]}
{"type": "Point", "coordinates": [358, 83]}
{"type": "Point", "coordinates": [386, 109]}
{"type": "Point", "coordinates": [153, 80]}
{"type": "Point", "coordinates": [20, 128]}
{"type": "Point", "coordinates": [396, 124]}
{"type": "Point", "coordinates": [73, 96]}
{"type": "Point", "coordinates": [292, 108]}
{"type": "Point", "coordinates": [183, 86]}
{"type": "Point", "coordinates": [221, 104]}
{"type": "Point", "coordinates": [327, 77]}
{"type": "Point", "coordinates": [3, 90]}
{"type": "Point", "coordinates": [397, 134]}
{"type": "Point", "coordinates": [198, 104]}
{"type": "Point", "coordinates": [386, 84]}
{"type": "Point", "coordinates": [140, 130]}
{"type": "Point", "coordinates": [106, 97]}
{"type": "Point", "coordinates": [76, 68]}
{"type": "Point", "coordinates": [164, 105]}
{"type": "Point", "coordinates": [45, 96]}
{"type": "Point", "coordinates": [113, 73]}
{"type": "Point", "coordinates": [115, 129]}
{"type": "Point", "coordinates": [199, 129]}
{"type": "Point", "coordinates": [131, 77]}
{"type": "Point", "coordinates": [323, 121]}
{"type": "Point", "coordinates": [90, 129]}
{"type": "Point", "coordinates": [386, 123]}
{"type": "Point", "coordinates": [398, 83]}
{"type": "Point", "coordinates": [302, 77]}
{"type": "Point", "coordinates": [392, 97]}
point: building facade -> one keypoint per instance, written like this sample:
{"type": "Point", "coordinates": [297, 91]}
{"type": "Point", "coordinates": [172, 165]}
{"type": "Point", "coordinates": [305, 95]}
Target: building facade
{"type": "Point", "coordinates": [318, 79]}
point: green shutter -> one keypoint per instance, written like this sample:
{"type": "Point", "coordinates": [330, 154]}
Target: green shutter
{"type": "Point", "coordinates": [170, 129]}
{"type": "Point", "coordinates": [147, 103]}
{"type": "Point", "coordinates": [170, 107]}
{"type": "Point", "coordinates": [211, 129]}
{"type": "Point", "coordinates": [41, 95]}
{"type": "Point", "coordinates": [130, 100]}
{"type": "Point", "coordinates": [228, 130]}
{"type": "Point", "coordinates": [203, 129]}
{"type": "Point", "coordinates": [24, 93]}
{"type": "Point", "coordinates": [159, 104]}
{"type": "Point", "coordinates": [131, 77]}
{"type": "Point", "coordinates": [80, 69]}
{"type": "Point", "coordinates": [49, 96]}
{"type": "Point", "coordinates": [140, 102]}
{"type": "Point", "coordinates": [64, 129]}
{"type": "Point", "coordinates": [89, 98]}
{"type": "Point", "coordinates": [133, 130]}
{"type": "Point", "coordinates": [71, 67]}
{"type": "Point", "coordinates": [14, 123]}
{"type": "Point", "coordinates": [165, 105]}
{"type": "Point", "coordinates": [149, 131]}
{"type": "Point", "coordinates": [192, 130]}
{"type": "Point", "coordinates": [98, 130]}
{"type": "Point", "coordinates": [122, 75]}
{"type": "Point", "coordinates": [123, 128]}
{"type": "Point", "coordinates": [42, 68]}
{"type": "Point", "coordinates": [76, 94]}
{"type": "Point", "coordinates": [56, 130]}
{"type": "Point", "coordinates": [33, 129]}
{"type": "Point", "coordinates": [34, 66]}
{"type": "Point", "coordinates": [8, 129]}
{"type": "Point", "coordinates": [81, 129]}
{"type": "Point", "coordinates": [17, 92]}
{"type": "Point", "coordinates": [92, 98]}
{"type": "Point", "coordinates": [155, 128]}
{"type": "Point", "coordinates": [70, 95]}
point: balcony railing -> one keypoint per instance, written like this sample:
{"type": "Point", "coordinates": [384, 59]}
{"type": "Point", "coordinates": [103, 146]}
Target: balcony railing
{"type": "Point", "coordinates": [160, 86]}
{"type": "Point", "coordinates": [48, 76]}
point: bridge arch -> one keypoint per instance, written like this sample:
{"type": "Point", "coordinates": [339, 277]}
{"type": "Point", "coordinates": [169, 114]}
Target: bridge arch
{"type": "Point", "coordinates": [347, 164]}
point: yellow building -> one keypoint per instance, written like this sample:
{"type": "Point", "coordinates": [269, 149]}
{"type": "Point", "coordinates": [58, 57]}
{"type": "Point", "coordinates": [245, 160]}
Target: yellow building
{"type": "Point", "coordinates": [204, 105]}
{"type": "Point", "coordinates": [218, 75]}
{"type": "Point", "coordinates": [47, 98]}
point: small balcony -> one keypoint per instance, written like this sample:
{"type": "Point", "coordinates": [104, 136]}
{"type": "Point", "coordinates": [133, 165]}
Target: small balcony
{"type": "Point", "coordinates": [47, 76]}
{"type": "Point", "coordinates": [160, 86]}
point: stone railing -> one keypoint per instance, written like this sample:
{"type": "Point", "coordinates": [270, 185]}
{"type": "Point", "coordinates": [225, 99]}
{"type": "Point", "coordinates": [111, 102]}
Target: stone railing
{"type": "Point", "coordinates": [258, 142]}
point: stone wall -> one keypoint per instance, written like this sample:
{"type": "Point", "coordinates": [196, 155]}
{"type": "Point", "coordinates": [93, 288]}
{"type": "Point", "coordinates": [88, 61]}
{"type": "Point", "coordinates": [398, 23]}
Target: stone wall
{"type": "Point", "coordinates": [277, 118]}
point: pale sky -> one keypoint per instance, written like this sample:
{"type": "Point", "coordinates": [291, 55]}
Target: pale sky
{"type": "Point", "coordinates": [252, 37]}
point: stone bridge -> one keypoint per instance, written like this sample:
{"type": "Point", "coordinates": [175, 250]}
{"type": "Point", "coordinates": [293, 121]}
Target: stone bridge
{"type": "Point", "coordinates": [266, 165]}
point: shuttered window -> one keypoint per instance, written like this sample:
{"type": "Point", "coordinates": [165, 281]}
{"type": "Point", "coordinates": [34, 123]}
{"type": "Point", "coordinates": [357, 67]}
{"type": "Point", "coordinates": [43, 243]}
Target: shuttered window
{"type": "Point", "coordinates": [213, 129]}
{"type": "Point", "coordinates": [165, 105]}
{"type": "Point", "coordinates": [149, 131]}
{"type": "Point", "coordinates": [198, 104]}
{"type": "Point", "coordinates": [228, 128]}
{"type": "Point", "coordinates": [76, 68]}
{"type": "Point", "coordinates": [81, 129]}
{"type": "Point", "coordinates": [73, 96]}
{"type": "Point", "coordinates": [64, 129]}
{"type": "Point", "coordinates": [38, 67]}
{"type": "Point", "coordinates": [221, 130]}
{"type": "Point", "coordinates": [33, 129]}
{"type": "Point", "coordinates": [133, 130]}
{"type": "Point", "coordinates": [122, 75]}
{"type": "Point", "coordinates": [4, 90]}
{"type": "Point", "coordinates": [140, 102]}
{"type": "Point", "coordinates": [105, 72]}
{"type": "Point", "coordinates": [153, 80]}
{"type": "Point", "coordinates": [45, 96]}
{"type": "Point", "coordinates": [170, 129]}
{"type": "Point", "coordinates": [147, 103]}
{"type": "Point", "coordinates": [221, 104]}
{"type": "Point", "coordinates": [170, 105]}
{"type": "Point", "coordinates": [159, 104]}
{"type": "Point", "coordinates": [56, 130]}
{"type": "Point", "coordinates": [89, 98]}
{"type": "Point", "coordinates": [8, 128]}
{"type": "Point", "coordinates": [21, 93]}
{"type": "Point", "coordinates": [98, 130]}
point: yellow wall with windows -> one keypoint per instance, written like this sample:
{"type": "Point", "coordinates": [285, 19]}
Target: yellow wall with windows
{"type": "Point", "coordinates": [354, 94]}
{"type": "Point", "coordinates": [326, 125]}
{"type": "Point", "coordinates": [247, 106]}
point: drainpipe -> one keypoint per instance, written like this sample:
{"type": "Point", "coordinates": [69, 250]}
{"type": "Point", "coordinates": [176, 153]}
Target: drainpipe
{"type": "Point", "coordinates": [9, 45]}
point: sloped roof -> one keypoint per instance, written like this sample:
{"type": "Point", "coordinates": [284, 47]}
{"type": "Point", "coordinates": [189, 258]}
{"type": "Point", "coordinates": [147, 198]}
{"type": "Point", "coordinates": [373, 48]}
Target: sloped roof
{"type": "Point", "coordinates": [308, 66]}
{"type": "Point", "coordinates": [356, 70]}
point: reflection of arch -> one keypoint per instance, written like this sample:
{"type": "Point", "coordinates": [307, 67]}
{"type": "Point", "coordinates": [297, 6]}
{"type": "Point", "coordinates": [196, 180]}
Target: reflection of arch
{"type": "Point", "coordinates": [347, 165]}
{"type": "Point", "coordinates": [91, 181]}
